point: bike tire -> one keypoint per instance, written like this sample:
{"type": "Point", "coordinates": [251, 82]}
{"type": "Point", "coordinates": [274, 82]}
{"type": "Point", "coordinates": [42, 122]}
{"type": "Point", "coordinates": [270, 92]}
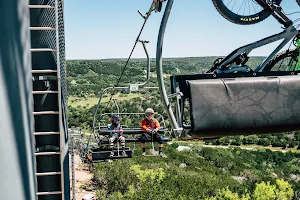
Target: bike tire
{"type": "Point", "coordinates": [298, 2]}
{"type": "Point", "coordinates": [293, 54]}
{"type": "Point", "coordinates": [240, 19]}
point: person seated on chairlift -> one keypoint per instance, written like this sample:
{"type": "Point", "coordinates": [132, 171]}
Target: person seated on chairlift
{"type": "Point", "coordinates": [116, 133]}
{"type": "Point", "coordinates": [150, 126]}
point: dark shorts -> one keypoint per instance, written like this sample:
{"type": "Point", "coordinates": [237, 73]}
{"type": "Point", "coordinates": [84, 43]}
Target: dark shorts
{"type": "Point", "coordinates": [146, 137]}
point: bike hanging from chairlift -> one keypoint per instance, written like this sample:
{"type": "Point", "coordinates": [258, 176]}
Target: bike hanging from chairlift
{"type": "Point", "coordinates": [231, 98]}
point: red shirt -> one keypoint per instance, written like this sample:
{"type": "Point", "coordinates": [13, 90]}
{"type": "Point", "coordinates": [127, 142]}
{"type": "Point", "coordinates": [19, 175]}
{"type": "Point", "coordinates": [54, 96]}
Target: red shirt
{"type": "Point", "coordinates": [154, 124]}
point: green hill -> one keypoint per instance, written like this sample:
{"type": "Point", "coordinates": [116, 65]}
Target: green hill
{"type": "Point", "coordinates": [203, 173]}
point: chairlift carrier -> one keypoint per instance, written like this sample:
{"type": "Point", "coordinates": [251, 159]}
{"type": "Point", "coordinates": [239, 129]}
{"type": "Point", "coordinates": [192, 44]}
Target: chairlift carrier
{"type": "Point", "coordinates": [101, 152]}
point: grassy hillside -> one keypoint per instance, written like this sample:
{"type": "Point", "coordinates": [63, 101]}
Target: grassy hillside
{"type": "Point", "coordinates": [203, 173]}
{"type": "Point", "coordinates": [212, 173]}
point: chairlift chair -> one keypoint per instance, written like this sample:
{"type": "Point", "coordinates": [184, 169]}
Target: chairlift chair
{"type": "Point", "coordinates": [100, 131]}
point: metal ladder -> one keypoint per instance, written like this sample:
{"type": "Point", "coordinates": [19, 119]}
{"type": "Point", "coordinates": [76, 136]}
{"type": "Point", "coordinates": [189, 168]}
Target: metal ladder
{"type": "Point", "coordinates": [49, 38]}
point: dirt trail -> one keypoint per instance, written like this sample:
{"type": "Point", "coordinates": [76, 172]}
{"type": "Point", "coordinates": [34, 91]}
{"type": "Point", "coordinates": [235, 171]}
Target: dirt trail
{"type": "Point", "coordinates": [83, 178]}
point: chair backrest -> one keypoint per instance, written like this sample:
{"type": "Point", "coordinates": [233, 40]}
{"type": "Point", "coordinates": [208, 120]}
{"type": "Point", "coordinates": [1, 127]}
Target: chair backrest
{"type": "Point", "coordinates": [232, 105]}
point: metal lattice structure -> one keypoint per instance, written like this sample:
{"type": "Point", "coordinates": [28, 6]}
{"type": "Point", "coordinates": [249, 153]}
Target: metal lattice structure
{"type": "Point", "coordinates": [49, 93]}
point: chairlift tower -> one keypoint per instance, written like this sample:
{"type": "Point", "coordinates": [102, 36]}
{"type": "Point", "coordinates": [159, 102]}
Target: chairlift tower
{"type": "Point", "coordinates": [50, 99]}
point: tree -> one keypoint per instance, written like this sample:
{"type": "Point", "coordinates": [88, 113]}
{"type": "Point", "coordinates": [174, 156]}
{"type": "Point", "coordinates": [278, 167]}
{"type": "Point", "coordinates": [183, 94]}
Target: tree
{"type": "Point", "coordinates": [297, 136]}
{"type": "Point", "coordinates": [252, 139]}
{"type": "Point", "coordinates": [293, 144]}
{"type": "Point", "coordinates": [236, 141]}
{"type": "Point", "coordinates": [264, 191]}
{"type": "Point", "coordinates": [226, 194]}
{"type": "Point", "coordinates": [279, 143]}
{"type": "Point", "coordinates": [284, 190]}
{"type": "Point", "coordinates": [224, 141]}
{"type": "Point", "coordinates": [264, 142]}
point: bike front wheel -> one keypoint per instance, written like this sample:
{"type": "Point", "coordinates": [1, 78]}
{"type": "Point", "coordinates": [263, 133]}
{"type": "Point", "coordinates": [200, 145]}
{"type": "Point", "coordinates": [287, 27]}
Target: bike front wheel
{"type": "Point", "coordinates": [243, 12]}
{"type": "Point", "coordinates": [284, 61]}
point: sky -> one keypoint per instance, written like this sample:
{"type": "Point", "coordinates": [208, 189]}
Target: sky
{"type": "Point", "coordinates": [99, 29]}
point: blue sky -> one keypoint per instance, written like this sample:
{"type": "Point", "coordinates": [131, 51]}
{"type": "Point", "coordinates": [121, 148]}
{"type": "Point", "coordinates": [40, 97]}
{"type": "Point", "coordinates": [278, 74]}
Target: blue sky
{"type": "Point", "coordinates": [98, 29]}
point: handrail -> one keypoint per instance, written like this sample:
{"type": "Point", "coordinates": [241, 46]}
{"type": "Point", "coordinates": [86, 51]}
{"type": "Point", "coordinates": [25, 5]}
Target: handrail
{"type": "Point", "coordinates": [175, 95]}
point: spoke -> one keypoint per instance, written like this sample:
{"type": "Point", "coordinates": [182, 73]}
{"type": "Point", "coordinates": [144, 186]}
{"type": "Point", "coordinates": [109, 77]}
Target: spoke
{"type": "Point", "coordinates": [243, 7]}
{"type": "Point", "coordinates": [253, 6]}
{"type": "Point", "coordinates": [233, 4]}
{"type": "Point", "coordinates": [285, 64]}
{"type": "Point", "coordinates": [228, 3]}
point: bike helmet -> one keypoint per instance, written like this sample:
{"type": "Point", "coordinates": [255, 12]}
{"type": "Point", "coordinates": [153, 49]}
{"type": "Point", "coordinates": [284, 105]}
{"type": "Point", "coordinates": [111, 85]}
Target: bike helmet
{"type": "Point", "coordinates": [149, 111]}
{"type": "Point", "coordinates": [117, 118]}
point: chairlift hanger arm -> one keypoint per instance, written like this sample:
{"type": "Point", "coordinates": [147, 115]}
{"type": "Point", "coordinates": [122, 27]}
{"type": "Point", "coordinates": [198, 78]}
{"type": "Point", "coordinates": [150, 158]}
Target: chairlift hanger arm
{"type": "Point", "coordinates": [148, 63]}
{"type": "Point", "coordinates": [152, 8]}
{"type": "Point", "coordinates": [159, 70]}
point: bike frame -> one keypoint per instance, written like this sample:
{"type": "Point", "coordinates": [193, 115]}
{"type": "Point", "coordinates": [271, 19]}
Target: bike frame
{"type": "Point", "coordinates": [287, 35]}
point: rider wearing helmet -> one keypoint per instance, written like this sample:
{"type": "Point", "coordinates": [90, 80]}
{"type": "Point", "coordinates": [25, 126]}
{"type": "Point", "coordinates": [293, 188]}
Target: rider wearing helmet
{"type": "Point", "coordinates": [150, 126]}
{"type": "Point", "coordinates": [116, 133]}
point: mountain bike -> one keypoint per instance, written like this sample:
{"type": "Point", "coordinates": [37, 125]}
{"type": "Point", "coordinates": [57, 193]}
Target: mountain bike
{"type": "Point", "coordinates": [236, 61]}
{"type": "Point", "coordinates": [246, 12]}
{"type": "Point", "coordinates": [288, 60]}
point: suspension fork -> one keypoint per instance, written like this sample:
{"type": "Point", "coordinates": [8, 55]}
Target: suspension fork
{"type": "Point", "coordinates": [276, 11]}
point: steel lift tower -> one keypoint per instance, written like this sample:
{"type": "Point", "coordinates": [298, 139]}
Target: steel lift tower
{"type": "Point", "coordinates": [50, 95]}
